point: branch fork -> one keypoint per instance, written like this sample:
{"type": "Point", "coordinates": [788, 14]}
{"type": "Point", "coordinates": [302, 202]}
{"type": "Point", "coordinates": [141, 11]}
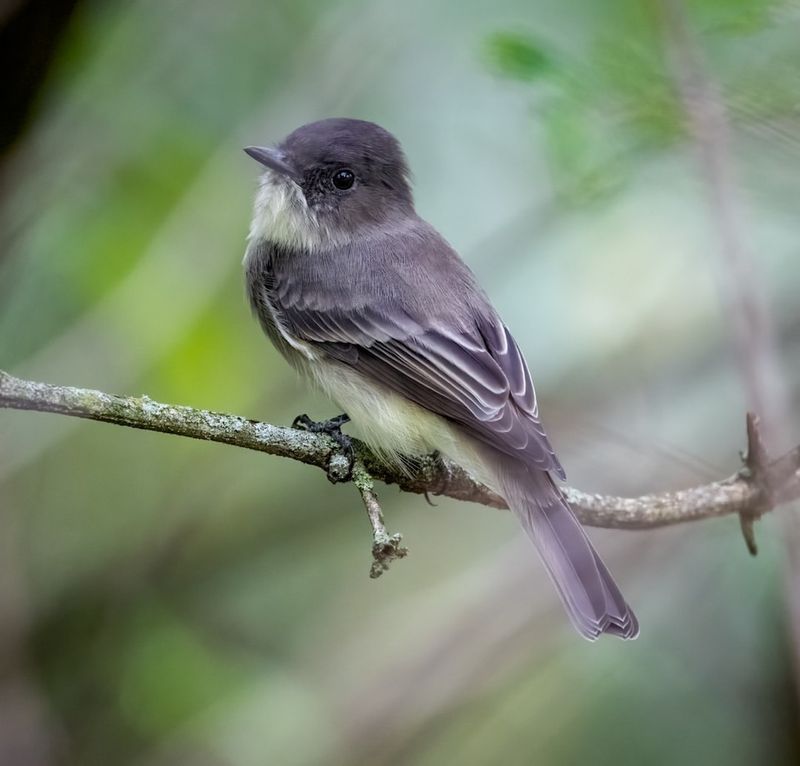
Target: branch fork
{"type": "Point", "coordinates": [344, 465]}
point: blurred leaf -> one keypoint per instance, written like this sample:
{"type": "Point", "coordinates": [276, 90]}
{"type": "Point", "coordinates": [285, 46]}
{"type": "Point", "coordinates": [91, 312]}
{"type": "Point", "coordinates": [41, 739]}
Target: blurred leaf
{"type": "Point", "coordinates": [584, 163]}
{"type": "Point", "coordinates": [518, 56]}
{"type": "Point", "coordinates": [737, 17]}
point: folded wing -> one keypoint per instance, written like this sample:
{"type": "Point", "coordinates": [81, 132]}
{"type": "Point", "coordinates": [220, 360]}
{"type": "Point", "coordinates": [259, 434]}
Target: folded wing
{"type": "Point", "coordinates": [475, 375]}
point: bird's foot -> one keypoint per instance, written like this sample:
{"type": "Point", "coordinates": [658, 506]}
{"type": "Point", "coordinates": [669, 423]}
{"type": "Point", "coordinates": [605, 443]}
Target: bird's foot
{"type": "Point", "coordinates": [338, 470]}
{"type": "Point", "coordinates": [334, 425]}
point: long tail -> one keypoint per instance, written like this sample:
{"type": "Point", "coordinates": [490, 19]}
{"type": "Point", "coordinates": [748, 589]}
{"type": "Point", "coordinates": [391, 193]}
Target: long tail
{"type": "Point", "coordinates": [589, 593]}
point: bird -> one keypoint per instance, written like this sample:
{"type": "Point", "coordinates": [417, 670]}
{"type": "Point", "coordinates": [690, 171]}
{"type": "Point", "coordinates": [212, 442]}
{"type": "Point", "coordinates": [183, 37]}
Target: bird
{"type": "Point", "coordinates": [370, 303]}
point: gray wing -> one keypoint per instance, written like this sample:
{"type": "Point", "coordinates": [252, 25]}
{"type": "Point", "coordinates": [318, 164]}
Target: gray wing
{"type": "Point", "coordinates": [454, 359]}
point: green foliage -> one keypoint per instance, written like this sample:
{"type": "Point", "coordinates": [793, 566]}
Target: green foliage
{"type": "Point", "coordinates": [518, 56]}
{"type": "Point", "coordinates": [603, 113]}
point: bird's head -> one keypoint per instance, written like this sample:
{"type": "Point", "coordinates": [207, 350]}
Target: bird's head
{"type": "Point", "coordinates": [328, 182]}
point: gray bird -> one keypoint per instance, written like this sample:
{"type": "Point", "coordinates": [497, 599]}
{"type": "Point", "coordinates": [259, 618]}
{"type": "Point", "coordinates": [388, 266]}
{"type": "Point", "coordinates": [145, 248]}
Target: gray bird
{"type": "Point", "coordinates": [369, 301]}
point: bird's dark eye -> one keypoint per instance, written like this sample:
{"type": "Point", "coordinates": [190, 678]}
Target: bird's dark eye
{"type": "Point", "coordinates": [343, 179]}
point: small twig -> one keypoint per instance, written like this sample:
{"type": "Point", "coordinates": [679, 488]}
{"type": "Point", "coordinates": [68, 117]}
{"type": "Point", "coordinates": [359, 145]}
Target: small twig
{"type": "Point", "coordinates": [757, 465]}
{"type": "Point", "coordinates": [385, 547]}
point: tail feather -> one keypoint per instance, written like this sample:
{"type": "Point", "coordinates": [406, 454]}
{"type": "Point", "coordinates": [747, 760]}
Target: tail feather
{"type": "Point", "coordinates": [591, 597]}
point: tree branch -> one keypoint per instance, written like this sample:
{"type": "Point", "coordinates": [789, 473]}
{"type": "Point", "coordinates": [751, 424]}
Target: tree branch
{"type": "Point", "coordinates": [751, 492]}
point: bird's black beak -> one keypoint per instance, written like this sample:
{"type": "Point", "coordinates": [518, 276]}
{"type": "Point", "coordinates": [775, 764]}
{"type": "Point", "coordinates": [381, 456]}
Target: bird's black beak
{"type": "Point", "coordinates": [274, 159]}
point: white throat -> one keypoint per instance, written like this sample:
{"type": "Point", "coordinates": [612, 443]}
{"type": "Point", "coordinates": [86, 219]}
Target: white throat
{"type": "Point", "coordinates": [282, 215]}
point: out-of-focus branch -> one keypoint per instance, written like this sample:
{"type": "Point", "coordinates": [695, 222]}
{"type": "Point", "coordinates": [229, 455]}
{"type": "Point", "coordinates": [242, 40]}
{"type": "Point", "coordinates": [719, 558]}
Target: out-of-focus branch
{"type": "Point", "coordinates": [757, 488]}
{"type": "Point", "coordinates": [742, 288]}
{"type": "Point", "coordinates": [743, 291]}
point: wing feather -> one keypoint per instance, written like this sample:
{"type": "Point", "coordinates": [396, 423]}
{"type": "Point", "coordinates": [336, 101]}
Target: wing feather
{"type": "Point", "coordinates": [478, 379]}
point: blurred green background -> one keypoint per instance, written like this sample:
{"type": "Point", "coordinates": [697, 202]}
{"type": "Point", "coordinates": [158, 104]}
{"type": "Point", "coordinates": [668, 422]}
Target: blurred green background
{"type": "Point", "coordinates": [164, 601]}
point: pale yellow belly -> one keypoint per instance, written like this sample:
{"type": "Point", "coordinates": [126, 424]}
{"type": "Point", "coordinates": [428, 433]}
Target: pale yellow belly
{"type": "Point", "coordinates": [392, 425]}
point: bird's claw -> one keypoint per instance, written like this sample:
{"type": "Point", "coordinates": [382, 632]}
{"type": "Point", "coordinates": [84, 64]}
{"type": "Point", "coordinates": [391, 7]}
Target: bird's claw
{"type": "Point", "coordinates": [333, 428]}
{"type": "Point", "coordinates": [305, 423]}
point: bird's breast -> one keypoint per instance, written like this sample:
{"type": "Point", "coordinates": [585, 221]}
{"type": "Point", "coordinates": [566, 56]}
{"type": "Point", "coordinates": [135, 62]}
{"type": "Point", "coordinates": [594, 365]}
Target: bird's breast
{"type": "Point", "coordinates": [261, 288]}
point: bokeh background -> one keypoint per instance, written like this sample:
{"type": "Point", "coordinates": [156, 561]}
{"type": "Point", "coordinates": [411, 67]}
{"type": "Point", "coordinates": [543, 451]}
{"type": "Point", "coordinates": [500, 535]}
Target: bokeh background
{"type": "Point", "coordinates": [164, 601]}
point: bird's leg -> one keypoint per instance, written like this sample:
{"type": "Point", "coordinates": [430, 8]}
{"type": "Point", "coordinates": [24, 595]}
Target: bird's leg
{"type": "Point", "coordinates": [436, 458]}
{"type": "Point", "coordinates": [332, 428]}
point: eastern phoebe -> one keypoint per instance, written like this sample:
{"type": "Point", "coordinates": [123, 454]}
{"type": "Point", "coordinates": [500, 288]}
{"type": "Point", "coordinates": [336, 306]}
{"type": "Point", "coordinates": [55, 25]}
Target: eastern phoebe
{"type": "Point", "coordinates": [369, 301]}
